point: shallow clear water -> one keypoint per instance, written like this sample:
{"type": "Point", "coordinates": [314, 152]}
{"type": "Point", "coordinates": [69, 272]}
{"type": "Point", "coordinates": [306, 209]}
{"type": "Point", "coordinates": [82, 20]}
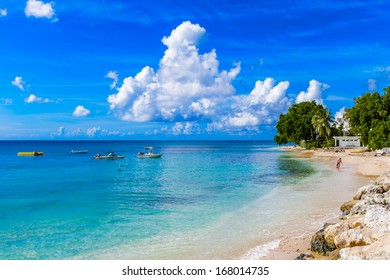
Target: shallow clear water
{"type": "Point", "coordinates": [200, 200]}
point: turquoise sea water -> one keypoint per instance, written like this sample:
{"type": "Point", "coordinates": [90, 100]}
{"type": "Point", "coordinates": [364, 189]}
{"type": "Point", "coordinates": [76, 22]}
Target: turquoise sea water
{"type": "Point", "coordinates": [200, 200]}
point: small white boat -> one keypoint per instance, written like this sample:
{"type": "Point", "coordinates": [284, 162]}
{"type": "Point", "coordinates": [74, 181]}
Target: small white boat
{"type": "Point", "coordinates": [79, 151]}
{"type": "Point", "coordinates": [111, 155]}
{"type": "Point", "coordinates": [148, 154]}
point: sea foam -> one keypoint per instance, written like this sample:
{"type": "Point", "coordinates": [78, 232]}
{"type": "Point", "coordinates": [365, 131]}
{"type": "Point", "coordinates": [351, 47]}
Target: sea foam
{"type": "Point", "coordinates": [261, 250]}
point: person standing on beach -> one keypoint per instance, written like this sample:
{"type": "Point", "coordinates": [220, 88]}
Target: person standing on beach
{"type": "Point", "coordinates": [338, 164]}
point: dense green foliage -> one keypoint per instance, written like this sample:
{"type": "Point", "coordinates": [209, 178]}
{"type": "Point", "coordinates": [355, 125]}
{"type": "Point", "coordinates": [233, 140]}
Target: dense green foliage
{"type": "Point", "coordinates": [306, 121]}
{"type": "Point", "coordinates": [370, 118]}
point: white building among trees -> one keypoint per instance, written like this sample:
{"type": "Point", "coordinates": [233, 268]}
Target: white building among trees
{"type": "Point", "coordinates": [347, 141]}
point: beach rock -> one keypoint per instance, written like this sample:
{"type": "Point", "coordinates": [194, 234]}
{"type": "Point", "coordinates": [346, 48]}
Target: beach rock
{"type": "Point", "coordinates": [378, 217]}
{"type": "Point", "coordinates": [359, 208]}
{"type": "Point", "coordinates": [384, 181]}
{"type": "Point", "coordinates": [333, 230]}
{"type": "Point", "coordinates": [320, 245]}
{"type": "Point", "coordinates": [379, 250]}
{"type": "Point", "coordinates": [369, 189]}
{"type": "Point", "coordinates": [347, 206]}
{"type": "Point", "coordinates": [351, 238]}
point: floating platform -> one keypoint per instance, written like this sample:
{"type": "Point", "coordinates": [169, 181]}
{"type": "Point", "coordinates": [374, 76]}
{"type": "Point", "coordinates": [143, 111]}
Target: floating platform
{"type": "Point", "coordinates": [30, 154]}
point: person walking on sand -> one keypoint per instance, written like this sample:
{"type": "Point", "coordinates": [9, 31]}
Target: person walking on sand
{"type": "Point", "coordinates": [338, 164]}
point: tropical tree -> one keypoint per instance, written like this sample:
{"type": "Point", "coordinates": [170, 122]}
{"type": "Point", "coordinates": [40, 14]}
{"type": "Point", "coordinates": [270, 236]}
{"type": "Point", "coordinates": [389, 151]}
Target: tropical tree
{"type": "Point", "coordinates": [370, 118]}
{"type": "Point", "coordinates": [367, 111]}
{"type": "Point", "coordinates": [296, 125]}
{"type": "Point", "coordinates": [321, 122]}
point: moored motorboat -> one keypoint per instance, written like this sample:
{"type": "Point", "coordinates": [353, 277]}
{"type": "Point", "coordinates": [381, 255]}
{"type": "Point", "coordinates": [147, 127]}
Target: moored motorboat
{"type": "Point", "coordinates": [30, 154]}
{"type": "Point", "coordinates": [148, 154]}
{"type": "Point", "coordinates": [79, 151]}
{"type": "Point", "coordinates": [111, 155]}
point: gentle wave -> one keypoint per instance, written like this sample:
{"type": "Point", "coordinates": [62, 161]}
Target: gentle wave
{"type": "Point", "coordinates": [261, 250]}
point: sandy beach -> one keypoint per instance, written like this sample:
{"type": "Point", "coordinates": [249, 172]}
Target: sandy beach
{"type": "Point", "coordinates": [362, 163]}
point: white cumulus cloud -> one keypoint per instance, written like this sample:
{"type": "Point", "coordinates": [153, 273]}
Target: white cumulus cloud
{"type": "Point", "coordinates": [81, 111]}
{"type": "Point", "coordinates": [35, 99]}
{"type": "Point", "coordinates": [3, 12]}
{"type": "Point", "coordinates": [114, 76]}
{"type": "Point", "coordinates": [186, 84]}
{"type": "Point", "coordinates": [18, 82]}
{"type": "Point", "coordinates": [314, 92]}
{"type": "Point", "coordinates": [39, 9]}
{"type": "Point", "coordinates": [188, 87]}
{"type": "Point", "coordinates": [262, 106]}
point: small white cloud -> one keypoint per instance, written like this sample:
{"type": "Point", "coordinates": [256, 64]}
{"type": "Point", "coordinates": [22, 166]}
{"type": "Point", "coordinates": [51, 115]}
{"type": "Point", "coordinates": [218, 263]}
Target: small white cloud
{"type": "Point", "coordinates": [186, 128]}
{"type": "Point", "coordinates": [314, 92]}
{"type": "Point", "coordinates": [18, 82]}
{"type": "Point", "coordinates": [114, 76]}
{"type": "Point", "coordinates": [35, 99]}
{"type": "Point", "coordinates": [80, 111]}
{"type": "Point", "coordinates": [92, 132]}
{"type": "Point", "coordinates": [38, 9]}
{"type": "Point", "coordinates": [99, 132]}
{"type": "Point", "coordinates": [61, 131]}
{"type": "Point", "coordinates": [3, 12]}
{"type": "Point", "coordinates": [6, 101]}
{"type": "Point", "coordinates": [371, 84]}
{"type": "Point", "coordinates": [76, 132]}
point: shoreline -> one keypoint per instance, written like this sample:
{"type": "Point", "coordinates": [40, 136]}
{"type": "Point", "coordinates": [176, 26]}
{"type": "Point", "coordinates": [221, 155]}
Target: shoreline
{"type": "Point", "coordinates": [366, 165]}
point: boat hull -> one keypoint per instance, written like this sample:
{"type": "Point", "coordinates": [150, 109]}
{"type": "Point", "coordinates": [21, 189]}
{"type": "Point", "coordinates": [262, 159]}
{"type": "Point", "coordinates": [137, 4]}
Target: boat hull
{"type": "Point", "coordinates": [109, 157]}
{"type": "Point", "coordinates": [79, 152]}
{"type": "Point", "coordinates": [149, 156]}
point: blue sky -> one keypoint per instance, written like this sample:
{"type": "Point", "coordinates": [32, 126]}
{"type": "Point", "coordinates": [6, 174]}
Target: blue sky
{"type": "Point", "coordinates": [182, 69]}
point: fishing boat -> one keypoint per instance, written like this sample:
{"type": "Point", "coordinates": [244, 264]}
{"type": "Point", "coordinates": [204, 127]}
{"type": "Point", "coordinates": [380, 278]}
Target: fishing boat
{"type": "Point", "coordinates": [79, 151]}
{"type": "Point", "coordinates": [111, 155]}
{"type": "Point", "coordinates": [148, 154]}
{"type": "Point", "coordinates": [30, 154]}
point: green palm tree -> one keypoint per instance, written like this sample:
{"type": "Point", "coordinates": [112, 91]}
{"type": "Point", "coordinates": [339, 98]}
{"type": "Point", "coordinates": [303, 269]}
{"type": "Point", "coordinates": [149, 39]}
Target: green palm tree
{"type": "Point", "coordinates": [321, 123]}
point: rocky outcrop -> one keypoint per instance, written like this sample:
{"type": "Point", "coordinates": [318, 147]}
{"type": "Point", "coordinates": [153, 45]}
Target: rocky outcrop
{"type": "Point", "coordinates": [319, 244]}
{"type": "Point", "coordinates": [364, 228]}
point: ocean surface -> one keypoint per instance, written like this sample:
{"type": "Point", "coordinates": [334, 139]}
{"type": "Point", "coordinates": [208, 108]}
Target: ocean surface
{"type": "Point", "coordinates": [201, 200]}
